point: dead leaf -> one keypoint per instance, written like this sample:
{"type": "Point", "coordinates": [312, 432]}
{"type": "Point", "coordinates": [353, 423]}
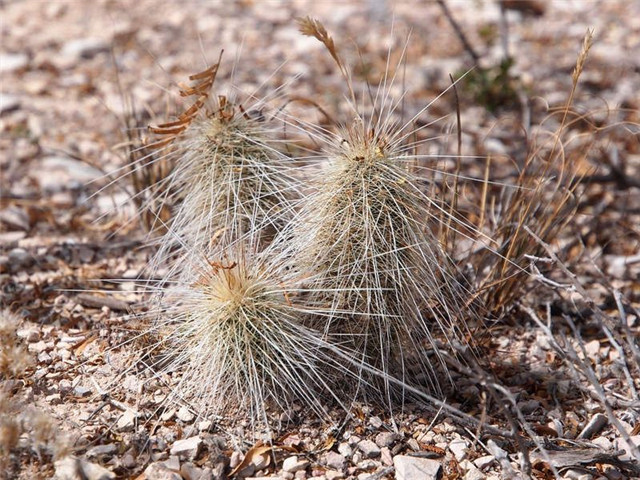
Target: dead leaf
{"type": "Point", "coordinates": [259, 452]}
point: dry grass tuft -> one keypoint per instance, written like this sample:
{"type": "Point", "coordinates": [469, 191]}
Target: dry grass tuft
{"type": "Point", "coordinates": [542, 199]}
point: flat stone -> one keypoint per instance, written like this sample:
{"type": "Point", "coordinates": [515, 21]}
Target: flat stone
{"type": "Point", "coordinates": [159, 471]}
{"type": "Point", "coordinates": [187, 448]}
{"type": "Point", "coordinates": [375, 422]}
{"type": "Point", "coordinates": [459, 449]}
{"type": "Point", "coordinates": [385, 456]}
{"type": "Point", "coordinates": [292, 464]}
{"type": "Point", "coordinates": [185, 415]}
{"type": "Point", "coordinates": [29, 335]}
{"type": "Point", "coordinates": [235, 459]}
{"type": "Point", "coordinates": [80, 391]}
{"type": "Point", "coordinates": [416, 468]}
{"type": "Point", "coordinates": [102, 450]}
{"type": "Point", "coordinates": [529, 406]}
{"type": "Point", "coordinates": [127, 420]}
{"type": "Point", "coordinates": [20, 257]}
{"type": "Point", "coordinates": [603, 442]}
{"type": "Point", "coordinates": [334, 460]}
{"type": "Point", "coordinates": [472, 472]}
{"type": "Point", "coordinates": [45, 358]}
{"type": "Point", "coordinates": [369, 449]}
{"type": "Point", "coordinates": [53, 399]}
{"type": "Point", "coordinates": [9, 239]}
{"type": "Point", "coordinates": [128, 461]}
{"type": "Point", "coordinates": [73, 468]}
{"type": "Point", "coordinates": [386, 439]}
{"type": "Point", "coordinates": [84, 47]}
{"type": "Point", "coordinates": [172, 463]}
{"type": "Point", "coordinates": [575, 474]}
{"type": "Point", "coordinates": [8, 103]}
{"type": "Point", "coordinates": [345, 450]}
{"type": "Point", "coordinates": [10, 62]}
{"type": "Point", "coordinates": [75, 169]}
{"type": "Point", "coordinates": [484, 462]}
{"type": "Point", "coordinates": [167, 414]}
{"type": "Point", "coordinates": [205, 425]}
{"type": "Point", "coordinates": [333, 475]}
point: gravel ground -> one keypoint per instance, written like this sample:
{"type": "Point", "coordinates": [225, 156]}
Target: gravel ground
{"type": "Point", "coordinates": [69, 258]}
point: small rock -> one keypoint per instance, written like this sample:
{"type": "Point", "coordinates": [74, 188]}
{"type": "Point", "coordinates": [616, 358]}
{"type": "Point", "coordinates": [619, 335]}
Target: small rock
{"type": "Point", "coordinates": [592, 348]}
{"type": "Point", "coordinates": [84, 47]}
{"type": "Point", "coordinates": [128, 461]}
{"type": "Point", "coordinates": [235, 460]}
{"type": "Point", "coordinates": [64, 354]}
{"type": "Point", "coordinates": [65, 386]}
{"type": "Point", "coordinates": [333, 475]}
{"type": "Point", "coordinates": [459, 449]}
{"type": "Point", "coordinates": [190, 472]}
{"type": "Point", "coordinates": [472, 472]}
{"type": "Point", "coordinates": [187, 448]}
{"type": "Point", "coordinates": [102, 450]}
{"type": "Point", "coordinates": [208, 474]}
{"type": "Point", "coordinates": [20, 257]}
{"type": "Point", "coordinates": [172, 463]}
{"type": "Point", "coordinates": [386, 439]}
{"type": "Point", "coordinates": [334, 460]}
{"type": "Point", "coordinates": [127, 420]}
{"type": "Point", "coordinates": [185, 415]}
{"type": "Point", "coordinates": [45, 358]}
{"type": "Point", "coordinates": [8, 103]}
{"type": "Point", "coordinates": [80, 391]}
{"type": "Point", "coordinates": [53, 399]}
{"type": "Point", "coordinates": [159, 471]}
{"type": "Point", "coordinates": [29, 335]}
{"type": "Point", "coordinates": [413, 444]}
{"type": "Point", "coordinates": [529, 406]}
{"type": "Point", "coordinates": [375, 422]}
{"type": "Point", "coordinates": [167, 414]}
{"type": "Point", "coordinates": [603, 442]}
{"type": "Point", "coordinates": [292, 464]}
{"type": "Point", "coordinates": [385, 456]}
{"type": "Point", "coordinates": [416, 468]}
{"type": "Point", "coordinates": [575, 474]}
{"type": "Point", "coordinates": [261, 461]}
{"type": "Point", "coordinates": [345, 450]}
{"type": "Point", "coordinates": [73, 468]}
{"type": "Point", "coordinates": [205, 425]}
{"type": "Point", "coordinates": [484, 462]}
{"type": "Point", "coordinates": [369, 448]}
{"type": "Point", "coordinates": [10, 62]}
